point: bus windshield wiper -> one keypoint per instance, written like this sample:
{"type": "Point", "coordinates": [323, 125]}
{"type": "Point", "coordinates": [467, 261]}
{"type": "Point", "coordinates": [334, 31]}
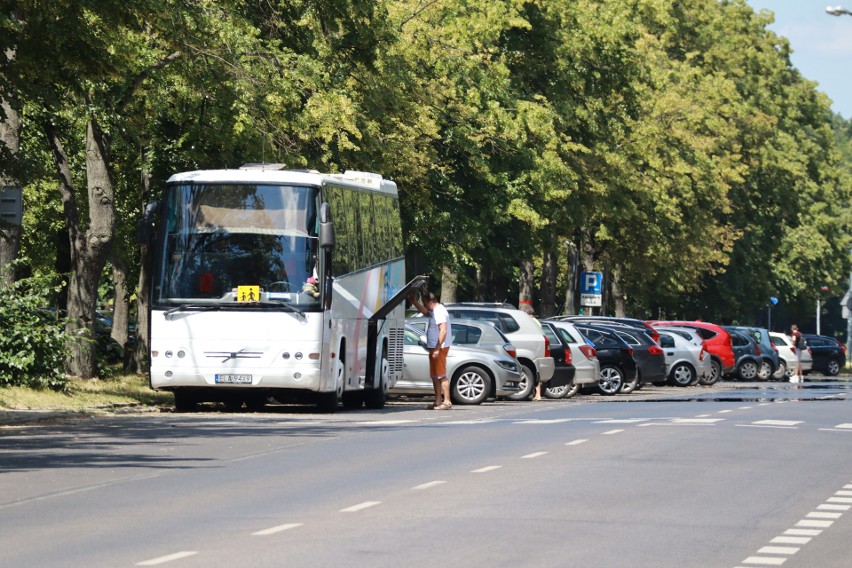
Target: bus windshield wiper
{"type": "Point", "coordinates": [195, 307]}
{"type": "Point", "coordinates": [283, 304]}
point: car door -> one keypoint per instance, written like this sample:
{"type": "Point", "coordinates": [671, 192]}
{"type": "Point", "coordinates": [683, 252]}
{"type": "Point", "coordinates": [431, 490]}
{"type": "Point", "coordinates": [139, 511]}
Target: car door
{"type": "Point", "coordinates": [415, 362]}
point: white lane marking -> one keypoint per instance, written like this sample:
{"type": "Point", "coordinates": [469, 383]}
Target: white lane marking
{"type": "Point", "coordinates": [724, 411]}
{"type": "Point", "coordinates": [384, 422]}
{"type": "Point", "coordinates": [622, 421]}
{"type": "Point", "coordinates": [486, 469]}
{"type": "Point", "coordinates": [787, 423]}
{"type": "Point", "coordinates": [702, 415]}
{"type": "Point", "coordinates": [543, 421]}
{"type": "Point", "coordinates": [823, 515]}
{"type": "Point", "coordinates": [577, 442]}
{"type": "Point", "coordinates": [360, 506]}
{"type": "Point", "coordinates": [803, 532]}
{"type": "Point", "coordinates": [744, 408]}
{"type": "Point", "coordinates": [843, 426]}
{"type": "Point", "coordinates": [839, 500]}
{"type": "Point", "coordinates": [825, 507]}
{"type": "Point", "coordinates": [791, 539]}
{"type": "Point", "coordinates": [278, 529]}
{"type": "Point", "coordinates": [533, 455]}
{"type": "Point", "coordinates": [843, 493]}
{"type": "Point", "coordinates": [814, 524]}
{"type": "Point", "coordinates": [849, 486]}
{"type": "Point", "coordinates": [611, 432]}
{"type": "Point", "coordinates": [429, 485]}
{"type": "Point", "coordinates": [168, 558]}
{"type": "Point", "coordinates": [765, 560]}
{"type": "Point", "coordinates": [697, 420]}
{"type": "Point", "coordinates": [779, 550]}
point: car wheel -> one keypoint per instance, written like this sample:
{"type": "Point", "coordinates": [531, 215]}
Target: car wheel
{"type": "Point", "coordinates": [471, 385]}
{"type": "Point", "coordinates": [832, 368]}
{"type": "Point", "coordinates": [628, 387]}
{"type": "Point", "coordinates": [781, 372]}
{"type": "Point", "coordinates": [747, 371]}
{"type": "Point", "coordinates": [527, 384]}
{"type": "Point", "coordinates": [715, 374]}
{"type": "Point", "coordinates": [682, 375]}
{"type": "Point", "coordinates": [559, 392]}
{"type": "Point", "coordinates": [764, 372]}
{"type": "Point", "coordinates": [611, 380]}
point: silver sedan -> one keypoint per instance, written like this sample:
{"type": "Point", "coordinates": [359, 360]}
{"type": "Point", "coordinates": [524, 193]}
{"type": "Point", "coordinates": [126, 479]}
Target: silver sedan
{"type": "Point", "coordinates": [686, 360]}
{"type": "Point", "coordinates": [474, 374]}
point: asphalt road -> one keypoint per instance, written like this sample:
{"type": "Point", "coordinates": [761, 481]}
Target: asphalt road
{"type": "Point", "coordinates": [731, 475]}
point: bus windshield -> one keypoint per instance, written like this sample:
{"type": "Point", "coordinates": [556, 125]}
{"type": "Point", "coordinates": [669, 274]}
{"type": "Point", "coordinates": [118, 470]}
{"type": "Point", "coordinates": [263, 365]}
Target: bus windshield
{"type": "Point", "coordinates": [221, 240]}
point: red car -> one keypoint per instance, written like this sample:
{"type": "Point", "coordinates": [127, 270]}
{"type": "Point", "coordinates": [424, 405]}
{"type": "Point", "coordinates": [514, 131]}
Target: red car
{"type": "Point", "coordinates": [717, 342]}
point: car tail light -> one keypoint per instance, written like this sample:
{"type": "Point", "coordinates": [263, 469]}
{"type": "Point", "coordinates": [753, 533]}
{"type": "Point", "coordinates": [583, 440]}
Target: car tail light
{"type": "Point", "coordinates": [568, 359]}
{"type": "Point", "coordinates": [701, 354]}
{"type": "Point", "coordinates": [758, 350]}
{"type": "Point", "coordinates": [630, 351]}
{"type": "Point", "coordinates": [588, 351]}
{"type": "Point", "coordinates": [546, 346]}
{"type": "Point", "coordinates": [655, 350]}
{"type": "Point", "coordinates": [774, 348]}
{"type": "Point", "coordinates": [811, 353]}
{"type": "Point", "coordinates": [654, 334]}
{"type": "Point", "coordinates": [510, 349]}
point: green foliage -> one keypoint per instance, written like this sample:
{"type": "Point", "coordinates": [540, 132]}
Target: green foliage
{"type": "Point", "coordinates": [32, 345]}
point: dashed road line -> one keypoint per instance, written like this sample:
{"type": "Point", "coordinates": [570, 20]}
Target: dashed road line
{"type": "Point", "coordinates": [360, 506]}
{"type": "Point", "coordinates": [533, 455]}
{"type": "Point", "coordinates": [611, 432]}
{"type": "Point", "coordinates": [428, 485]}
{"type": "Point", "coordinates": [486, 469]}
{"type": "Point", "coordinates": [168, 558]}
{"type": "Point", "coordinates": [702, 421]}
{"type": "Point", "coordinates": [577, 442]}
{"type": "Point", "coordinates": [278, 529]}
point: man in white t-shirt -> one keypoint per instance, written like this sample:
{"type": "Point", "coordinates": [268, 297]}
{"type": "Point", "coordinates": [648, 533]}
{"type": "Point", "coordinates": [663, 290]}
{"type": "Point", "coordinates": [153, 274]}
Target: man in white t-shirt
{"type": "Point", "coordinates": [439, 338]}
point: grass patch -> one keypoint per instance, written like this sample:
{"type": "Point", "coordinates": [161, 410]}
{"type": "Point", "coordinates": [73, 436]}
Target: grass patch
{"type": "Point", "coordinates": [121, 390]}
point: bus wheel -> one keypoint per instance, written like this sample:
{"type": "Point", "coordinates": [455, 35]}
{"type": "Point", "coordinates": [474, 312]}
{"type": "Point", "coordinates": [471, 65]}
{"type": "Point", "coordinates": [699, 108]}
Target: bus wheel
{"type": "Point", "coordinates": [328, 401]}
{"type": "Point", "coordinates": [375, 398]}
{"type": "Point", "coordinates": [185, 401]}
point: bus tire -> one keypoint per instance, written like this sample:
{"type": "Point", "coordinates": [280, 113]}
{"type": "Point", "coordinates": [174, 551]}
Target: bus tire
{"type": "Point", "coordinates": [327, 401]}
{"type": "Point", "coordinates": [375, 398]}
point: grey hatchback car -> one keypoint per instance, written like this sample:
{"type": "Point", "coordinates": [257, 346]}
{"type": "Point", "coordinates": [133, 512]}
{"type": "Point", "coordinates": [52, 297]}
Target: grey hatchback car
{"type": "Point", "coordinates": [475, 374]}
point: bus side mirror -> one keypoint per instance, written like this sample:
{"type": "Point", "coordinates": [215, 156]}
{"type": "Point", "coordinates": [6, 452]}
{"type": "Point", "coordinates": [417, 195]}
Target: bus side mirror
{"type": "Point", "coordinates": [326, 228]}
{"type": "Point", "coordinates": [145, 225]}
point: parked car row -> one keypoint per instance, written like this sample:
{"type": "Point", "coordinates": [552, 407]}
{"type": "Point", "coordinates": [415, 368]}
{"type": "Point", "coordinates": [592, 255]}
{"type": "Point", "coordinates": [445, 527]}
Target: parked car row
{"type": "Point", "coordinates": [502, 352]}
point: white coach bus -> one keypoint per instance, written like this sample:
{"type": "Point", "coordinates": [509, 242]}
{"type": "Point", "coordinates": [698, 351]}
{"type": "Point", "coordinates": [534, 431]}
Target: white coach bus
{"type": "Point", "coordinates": [276, 283]}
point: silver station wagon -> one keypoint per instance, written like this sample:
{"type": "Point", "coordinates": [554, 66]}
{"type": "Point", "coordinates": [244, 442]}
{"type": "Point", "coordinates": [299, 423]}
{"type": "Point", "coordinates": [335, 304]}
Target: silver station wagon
{"type": "Point", "coordinates": [475, 374]}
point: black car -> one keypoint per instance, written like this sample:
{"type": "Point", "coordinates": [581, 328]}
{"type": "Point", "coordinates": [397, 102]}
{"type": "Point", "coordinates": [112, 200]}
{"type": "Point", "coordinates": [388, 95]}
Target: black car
{"type": "Point", "coordinates": [562, 383]}
{"type": "Point", "coordinates": [617, 363]}
{"type": "Point", "coordinates": [649, 356]}
{"type": "Point", "coordinates": [746, 355]}
{"type": "Point", "coordinates": [829, 354]}
{"type": "Point", "coordinates": [612, 321]}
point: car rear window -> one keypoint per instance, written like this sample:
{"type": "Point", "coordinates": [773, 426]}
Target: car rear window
{"type": "Point", "coordinates": [706, 333]}
{"type": "Point", "coordinates": [466, 334]}
{"type": "Point", "coordinates": [628, 338]}
{"type": "Point", "coordinates": [508, 323]}
{"type": "Point", "coordinates": [666, 341]}
{"type": "Point", "coordinates": [566, 335]}
{"type": "Point", "coordinates": [548, 332]}
{"type": "Point", "coordinates": [777, 340]}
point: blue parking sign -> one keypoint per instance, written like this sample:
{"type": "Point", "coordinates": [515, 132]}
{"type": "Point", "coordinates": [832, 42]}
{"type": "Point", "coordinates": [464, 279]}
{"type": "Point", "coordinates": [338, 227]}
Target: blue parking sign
{"type": "Point", "coordinates": [591, 282]}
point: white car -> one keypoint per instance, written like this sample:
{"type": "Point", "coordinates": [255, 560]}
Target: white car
{"type": "Point", "coordinates": [787, 367]}
{"type": "Point", "coordinates": [686, 360]}
{"type": "Point", "coordinates": [583, 357]}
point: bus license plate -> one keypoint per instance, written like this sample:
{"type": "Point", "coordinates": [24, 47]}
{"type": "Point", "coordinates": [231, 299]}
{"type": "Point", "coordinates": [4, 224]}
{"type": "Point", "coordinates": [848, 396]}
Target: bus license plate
{"type": "Point", "coordinates": [234, 379]}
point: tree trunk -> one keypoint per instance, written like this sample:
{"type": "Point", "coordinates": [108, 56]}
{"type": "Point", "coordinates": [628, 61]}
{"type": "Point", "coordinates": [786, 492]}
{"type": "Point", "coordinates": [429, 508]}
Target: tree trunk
{"type": "Point", "coordinates": [120, 306]}
{"type": "Point", "coordinates": [449, 285]}
{"type": "Point", "coordinates": [89, 251]}
{"type": "Point", "coordinates": [617, 293]}
{"type": "Point", "coordinates": [548, 284]}
{"type": "Point", "coordinates": [571, 277]}
{"type": "Point", "coordinates": [141, 352]}
{"type": "Point", "coordinates": [526, 285]}
{"type": "Point", "coordinates": [10, 235]}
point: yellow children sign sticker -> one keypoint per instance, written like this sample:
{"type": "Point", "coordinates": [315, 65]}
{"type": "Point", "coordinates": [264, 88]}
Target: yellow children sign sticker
{"type": "Point", "coordinates": [248, 293]}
